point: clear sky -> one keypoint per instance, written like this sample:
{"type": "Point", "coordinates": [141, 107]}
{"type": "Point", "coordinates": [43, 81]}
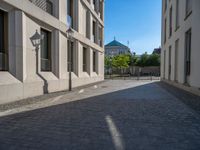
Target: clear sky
{"type": "Point", "coordinates": [136, 21]}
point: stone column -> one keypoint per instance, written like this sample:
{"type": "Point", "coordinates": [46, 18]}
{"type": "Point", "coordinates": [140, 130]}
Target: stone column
{"type": "Point", "coordinates": [62, 10]}
{"type": "Point", "coordinates": [78, 58]}
{"type": "Point", "coordinates": [55, 53]}
{"type": "Point", "coordinates": [17, 44]}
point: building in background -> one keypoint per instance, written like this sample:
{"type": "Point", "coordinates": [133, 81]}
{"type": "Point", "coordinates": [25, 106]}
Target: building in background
{"type": "Point", "coordinates": [116, 48]}
{"type": "Point", "coordinates": [180, 43]}
{"type": "Point", "coordinates": [19, 20]}
{"type": "Point", "coordinates": [157, 51]}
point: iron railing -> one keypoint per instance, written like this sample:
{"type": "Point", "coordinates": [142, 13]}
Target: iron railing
{"type": "Point", "coordinates": [45, 5]}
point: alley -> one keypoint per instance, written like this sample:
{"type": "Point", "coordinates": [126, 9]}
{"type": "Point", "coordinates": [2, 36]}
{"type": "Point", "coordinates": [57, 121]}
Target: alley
{"type": "Point", "coordinates": [113, 115]}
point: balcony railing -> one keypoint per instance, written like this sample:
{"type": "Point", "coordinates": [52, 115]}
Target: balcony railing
{"type": "Point", "coordinates": [45, 5]}
{"type": "Point", "coordinates": [3, 62]}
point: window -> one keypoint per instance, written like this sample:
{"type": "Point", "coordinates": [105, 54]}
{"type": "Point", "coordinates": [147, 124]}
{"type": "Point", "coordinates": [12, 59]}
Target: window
{"type": "Point", "coordinates": [170, 22]}
{"type": "Point", "coordinates": [165, 31]}
{"type": "Point", "coordinates": [176, 59]}
{"type": "Point", "coordinates": [164, 63]}
{"type": "Point", "coordinates": [177, 14]}
{"type": "Point", "coordinates": [94, 31]}
{"type": "Point", "coordinates": [188, 37]}
{"type": "Point", "coordinates": [170, 66]}
{"type": "Point", "coordinates": [46, 51]}
{"type": "Point", "coordinates": [165, 5]}
{"type": "Point", "coordinates": [3, 41]}
{"type": "Point", "coordinates": [70, 56]}
{"type": "Point", "coordinates": [94, 4]}
{"type": "Point", "coordinates": [94, 61]}
{"type": "Point", "coordinates": [101, 9]}
{"type": "Point", "coordinates": [188, 7]}
{"type": "Point", "coordinates": [70, 11]}
{"type": "Point", "coordinates": [84, 59]}
{"type": "Point", "coordinates": [100, 36]}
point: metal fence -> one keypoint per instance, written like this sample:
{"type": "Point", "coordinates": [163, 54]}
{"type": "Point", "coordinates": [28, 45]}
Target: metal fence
{"type": "Point", "coordinates": [133, 73]}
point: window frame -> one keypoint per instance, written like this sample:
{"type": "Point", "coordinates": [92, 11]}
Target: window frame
{"type": "Point", "coordinates": [170, 62]}
{"type": "Point", "coordinates": [170, 21]}
{"type": "Point", "coordinates": [4, 50]}
{"type": "Point", "coordinates": [84, 61]}
{"type": "Point", "coordinates": [70, 11]}
{"type": "Point", "coordinates": [48, 51]}
{"type": "Point", "coordinates": [188, 49]}
{"type": "Point", "coordinates": [70, 55]}
{"type": "Point", "coordinates": [94, 61]}
{"type": "Point", "coordinates": [177, 15]}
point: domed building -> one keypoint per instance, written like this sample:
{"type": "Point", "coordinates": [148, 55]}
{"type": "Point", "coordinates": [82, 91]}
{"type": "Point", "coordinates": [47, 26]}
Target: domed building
{"type": "Point", "coordinates": [115, 48]}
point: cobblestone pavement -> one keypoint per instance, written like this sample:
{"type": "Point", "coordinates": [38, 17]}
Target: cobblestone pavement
{"type": "Point", "coordinates": [114, 115]}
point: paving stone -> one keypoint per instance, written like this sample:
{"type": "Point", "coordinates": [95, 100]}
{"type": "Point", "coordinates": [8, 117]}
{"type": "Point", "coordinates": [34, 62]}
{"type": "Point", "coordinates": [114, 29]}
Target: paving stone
{"type": "Point", "coordinates": [139, 115]}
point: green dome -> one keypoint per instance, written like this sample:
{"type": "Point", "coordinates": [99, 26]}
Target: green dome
{"type": "Point", "coordinates": [115, 43]}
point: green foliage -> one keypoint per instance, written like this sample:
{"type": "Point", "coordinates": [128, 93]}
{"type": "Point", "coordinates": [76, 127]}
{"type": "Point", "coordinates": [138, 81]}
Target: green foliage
{"type": "Point", "coordinates": [149, 60]}
{"type": "Point", "coordinates": [107, 61]}
{"type": "Point", "coordinates": [154, 60]}
{"type": "Point", "coordinates": [124, 61]}
{"type": "Point", "coordinates": [121, 61]}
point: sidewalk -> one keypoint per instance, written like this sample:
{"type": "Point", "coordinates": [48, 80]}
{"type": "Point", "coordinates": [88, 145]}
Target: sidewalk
{"type": "Point", "coordinates": [52, 99]}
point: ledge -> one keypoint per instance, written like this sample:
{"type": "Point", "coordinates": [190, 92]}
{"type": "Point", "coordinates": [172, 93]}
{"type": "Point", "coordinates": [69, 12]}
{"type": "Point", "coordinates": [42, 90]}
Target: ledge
{"type": "Point", "coordinates": [6, 78]}
{"type": "Point", "coordinates": [192, 90]}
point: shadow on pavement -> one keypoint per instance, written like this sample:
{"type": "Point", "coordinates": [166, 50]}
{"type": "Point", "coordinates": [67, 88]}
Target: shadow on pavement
{"type": "Point", "coordinates": [191, 100]}
{"type": "Point", "coordinates": [144, 117]}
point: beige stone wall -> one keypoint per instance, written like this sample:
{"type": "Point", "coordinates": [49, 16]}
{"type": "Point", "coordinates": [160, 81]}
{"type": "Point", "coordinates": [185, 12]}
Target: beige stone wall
{"type": "Point", "coordinates": [21, 80]}
{"type": "Point", "coordinates": [191, 22]}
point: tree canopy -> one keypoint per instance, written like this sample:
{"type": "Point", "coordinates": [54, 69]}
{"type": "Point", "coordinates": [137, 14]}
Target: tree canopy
{"type": "Point", "coordinates": [121, 61]}
{"type": "Point", "coordinates": [124, 61]}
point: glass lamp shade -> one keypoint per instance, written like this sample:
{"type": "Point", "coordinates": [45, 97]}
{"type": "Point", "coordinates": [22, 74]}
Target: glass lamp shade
{"type": "Point", "coordinates": [36, 39]}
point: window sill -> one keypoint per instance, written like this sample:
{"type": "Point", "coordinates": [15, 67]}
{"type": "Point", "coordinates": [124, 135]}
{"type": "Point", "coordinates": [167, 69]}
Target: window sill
{"type": "Point", "coordinates": [188, 15]}
{"type": "Point", "coordinates": [46, 71]}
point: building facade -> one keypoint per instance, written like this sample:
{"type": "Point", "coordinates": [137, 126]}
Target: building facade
{"type": "Point", "coordinates": [116, 48]}
{"type": "Point", "coordinates": [19, 21]}
{"type": "Point", "coordinates": [180, 43]}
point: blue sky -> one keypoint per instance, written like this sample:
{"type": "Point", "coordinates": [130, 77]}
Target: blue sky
{"type": "Point", "coordinates": [136, 21]}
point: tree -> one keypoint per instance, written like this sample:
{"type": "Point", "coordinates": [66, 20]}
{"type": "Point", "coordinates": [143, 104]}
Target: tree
{"type": "Point", "coordinates": [121, 62]}
{"type": "Point", "coordinates": [107, 62]}
{"type": "Point", "coordinates": [148, 60]}
{"type": "Point", "coordinates": [154, 60]}
{"type": "Point", "coordinates": [134, 60]}
{"type": "Point", "coordinates": [143, 60]}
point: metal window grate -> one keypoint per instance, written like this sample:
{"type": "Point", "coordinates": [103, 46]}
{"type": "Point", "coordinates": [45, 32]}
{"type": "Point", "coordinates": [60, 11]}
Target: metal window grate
{"type": "Point", "coordinates": [45, 5]}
